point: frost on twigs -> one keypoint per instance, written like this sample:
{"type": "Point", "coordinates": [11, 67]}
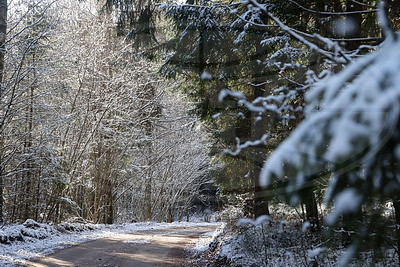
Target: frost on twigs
{"type": "Point", "coordinates": [277, 104]}
{"type": "Point", "coordinates": [246, 144]}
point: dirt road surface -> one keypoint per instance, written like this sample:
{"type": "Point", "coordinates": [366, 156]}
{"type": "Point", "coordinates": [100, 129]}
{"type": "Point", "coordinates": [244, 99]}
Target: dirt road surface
{"type": "Point", "coordinates": [156, 247]}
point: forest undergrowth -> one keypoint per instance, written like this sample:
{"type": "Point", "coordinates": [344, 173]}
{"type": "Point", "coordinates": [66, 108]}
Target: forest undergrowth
{"type": "Point", "coordinates": [282, 240]}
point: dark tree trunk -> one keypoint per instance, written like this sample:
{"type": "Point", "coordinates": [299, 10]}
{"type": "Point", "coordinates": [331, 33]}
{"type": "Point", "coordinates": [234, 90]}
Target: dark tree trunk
{"type": "Point", "coordinates": [109, 213]}
{"type": "Point", "coordinates": [257, 158]}
{"type": "Point", "coordinates": [312, 210]}
{"type": "Point", "coordinates": [260, 124]}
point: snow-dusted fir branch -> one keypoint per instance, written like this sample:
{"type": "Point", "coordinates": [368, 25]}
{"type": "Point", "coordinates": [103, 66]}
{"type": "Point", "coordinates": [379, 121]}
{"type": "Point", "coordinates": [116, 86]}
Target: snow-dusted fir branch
{"type": "Point", "coordinates": [243, 18]}
{"type": "Point", "coordinates": [332, 45]}
{"type": "Point", "coordinates": [357, 114]}
{"type": "Point", "coordinates": [240, 147]}
{"type": "Point", "coordinates": [242, 100]}
{"type": "Point", "coordinates": [298, 36]}
{"type": "Point", "coordinates": [276, 104]}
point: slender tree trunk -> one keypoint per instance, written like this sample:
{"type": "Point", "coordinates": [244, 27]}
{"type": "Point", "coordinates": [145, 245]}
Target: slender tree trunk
{"type": "Point", "coordinates": [312, 210]}
{"type": "Point", "coordinates": [147, 198]}
{"type": "Point", "coordinates": [258, 157]}
{"type": "Point", "coordinates": [260, 123]}
{"type": "Point", "coordinates": [109, 213]}
{"type": "Point", "coordinates": [148, 212]}
{"type": "Point", "coordinates": [29, 174]}
{"type": "Point", "coordinates": [3, 31]}
{"type": "Point", "coordinates": [148, 127]}
{"type": "Point", "coordinates": [38, 203]}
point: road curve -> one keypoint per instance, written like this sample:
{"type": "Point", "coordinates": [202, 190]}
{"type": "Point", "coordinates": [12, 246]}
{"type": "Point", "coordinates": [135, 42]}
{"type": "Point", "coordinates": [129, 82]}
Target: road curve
{"type": "Point", "coordinates": [155, 247]}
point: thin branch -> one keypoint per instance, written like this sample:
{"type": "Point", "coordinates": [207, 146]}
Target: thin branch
{"type": "Point", "coordinates": [333, 13]}
{"type": "Point", "coordinates": [362, 4]}
{"type": "Point", "coordinates": [364, 39]}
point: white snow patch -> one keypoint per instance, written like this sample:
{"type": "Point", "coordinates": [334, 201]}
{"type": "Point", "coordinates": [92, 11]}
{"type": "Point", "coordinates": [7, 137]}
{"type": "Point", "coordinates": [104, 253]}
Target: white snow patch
{"type": "Point", "coordinates": [216, 116]}
{"type": "Point", "coordinates": [259, 220]}
{"type": "Point", "coordinates": [312, 253]}
{"type": "Point", "coordinates": [347, 256]}
{"type": "Point", "coordinates": [206, 76]}
{"type": "Point", "coordinates": [203, 242]}
{"type": "Point", "coordinates": [306, 226]}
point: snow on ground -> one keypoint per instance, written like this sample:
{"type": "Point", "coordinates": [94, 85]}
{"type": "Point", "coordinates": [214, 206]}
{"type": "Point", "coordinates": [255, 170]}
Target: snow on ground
{"type": "Point", "coordinates": [203, 242]}
{"type": "Point", "coordinates": [282, 240]}
{"type": "Point", "coordinates": [268, 244]}
{"type": "Point", "coordinates": [19, 242]}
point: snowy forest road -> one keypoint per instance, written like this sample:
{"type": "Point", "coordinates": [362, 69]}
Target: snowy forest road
{"type": "Point", "coordinates": [155, 247]}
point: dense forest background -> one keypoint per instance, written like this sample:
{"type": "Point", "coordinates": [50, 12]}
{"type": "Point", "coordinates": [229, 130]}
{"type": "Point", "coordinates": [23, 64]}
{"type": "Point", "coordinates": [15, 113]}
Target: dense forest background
{"type": "Point", "coordinates": [116, 111]}
{"type": "Point", "coordinates": [88, 128]}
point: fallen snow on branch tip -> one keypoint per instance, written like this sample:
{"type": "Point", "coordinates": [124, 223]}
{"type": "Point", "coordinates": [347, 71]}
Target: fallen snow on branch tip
{"type": "Point", "coordinates": [246, 144]}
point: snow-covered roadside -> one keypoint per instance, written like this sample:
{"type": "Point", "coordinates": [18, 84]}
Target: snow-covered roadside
{"type": "Point", "coordinates": [31, 240]}
{"type": "Point", "coordinates": [203, 242]}
{"type": "Point", "coordinates": [279, 240]}
{"type": "Point", "coordinates": [276, 243]}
